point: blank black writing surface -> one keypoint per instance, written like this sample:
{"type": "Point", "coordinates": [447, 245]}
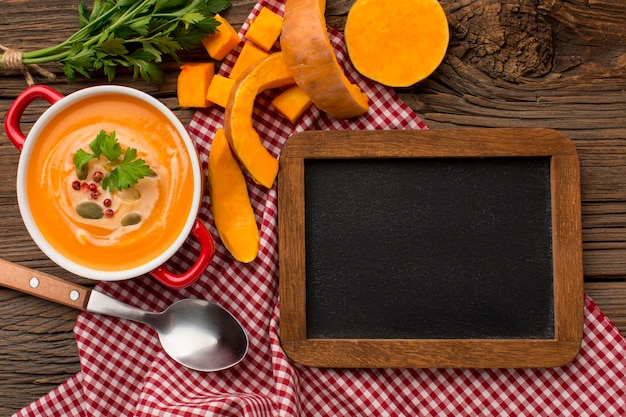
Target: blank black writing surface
{"type": "Point", "coordinates": [429, 248]}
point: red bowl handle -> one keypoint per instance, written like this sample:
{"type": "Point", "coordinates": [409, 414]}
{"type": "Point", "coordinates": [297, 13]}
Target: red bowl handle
{"type": "Point", "coordinates": [207, 249]}
{"type": "Point", "coordinates": [14, 115]}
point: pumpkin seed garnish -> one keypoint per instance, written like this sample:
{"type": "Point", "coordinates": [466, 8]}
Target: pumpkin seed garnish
{"type": "Point", "coordinates": [130, 219]}
{"type": "Point", "coordinates": [89, 210]}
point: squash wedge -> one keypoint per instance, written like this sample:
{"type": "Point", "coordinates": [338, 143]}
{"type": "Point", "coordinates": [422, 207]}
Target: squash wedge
{"type": "Point", "coordinates": [245, 142]}
{"type": "Point", "coordinates": [310, 57]}
{"type": "Point", "coordinates": [230, 202]}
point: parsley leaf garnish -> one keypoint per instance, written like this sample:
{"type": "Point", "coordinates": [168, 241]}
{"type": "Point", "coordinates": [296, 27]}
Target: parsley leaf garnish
{"type": "Point", "coordinates": [124, 172]}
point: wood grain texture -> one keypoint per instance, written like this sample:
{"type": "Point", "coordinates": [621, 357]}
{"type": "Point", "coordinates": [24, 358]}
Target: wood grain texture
{"type": "Point", "coordinates": [522, 63]}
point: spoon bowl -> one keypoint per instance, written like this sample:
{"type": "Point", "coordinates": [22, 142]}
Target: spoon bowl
{"type": "Point", "coordinates": [201, 335]}
{"type": "Point", "coordinates": [196, 333]}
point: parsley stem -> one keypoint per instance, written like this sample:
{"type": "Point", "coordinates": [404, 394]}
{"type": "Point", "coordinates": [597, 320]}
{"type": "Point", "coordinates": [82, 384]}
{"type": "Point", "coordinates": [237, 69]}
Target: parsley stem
{"type": "Point", "coordinates": [130, 13]}
{"type": "Point", "coordinates": [82, 34]}
{"type": "Point", "coordinates": [28, 59]}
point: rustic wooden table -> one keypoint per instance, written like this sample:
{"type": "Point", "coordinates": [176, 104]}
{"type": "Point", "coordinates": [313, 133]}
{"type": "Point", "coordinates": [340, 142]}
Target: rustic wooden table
{"type": "Point", "coordinates": [517, 63]}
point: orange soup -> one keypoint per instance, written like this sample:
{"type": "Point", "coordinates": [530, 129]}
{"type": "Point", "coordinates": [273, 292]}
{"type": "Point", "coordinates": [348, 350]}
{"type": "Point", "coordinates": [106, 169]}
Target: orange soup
{"type": "Point", "coordinates": [135, 225]}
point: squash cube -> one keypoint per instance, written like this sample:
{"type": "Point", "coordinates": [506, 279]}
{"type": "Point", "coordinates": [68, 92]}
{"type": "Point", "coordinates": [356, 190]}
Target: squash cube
{"type": "Point", "coordinates": [292, 103]}
{"type": "Point", "coordinates": [224, 40]}
{"type": "Point", "coordinates": [249, 55]}
{"type": "Point", "coordinates": [219, 90]}
{"type": "Point", "coordinates": [265, 29]}
{"type": "Point", "coordinates": [193, 84]}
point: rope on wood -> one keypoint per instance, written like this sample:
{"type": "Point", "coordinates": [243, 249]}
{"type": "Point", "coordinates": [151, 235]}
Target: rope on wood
{"type": "Point", "coordinates": [12, 60]}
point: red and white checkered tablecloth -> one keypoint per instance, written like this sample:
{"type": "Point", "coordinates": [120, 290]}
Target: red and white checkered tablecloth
{"type": "Point", "coordinates": [124, 371]}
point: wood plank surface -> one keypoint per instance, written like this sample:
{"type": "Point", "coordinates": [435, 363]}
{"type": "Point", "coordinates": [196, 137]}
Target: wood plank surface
{"type": "Point", "coordinates": [521, 63]}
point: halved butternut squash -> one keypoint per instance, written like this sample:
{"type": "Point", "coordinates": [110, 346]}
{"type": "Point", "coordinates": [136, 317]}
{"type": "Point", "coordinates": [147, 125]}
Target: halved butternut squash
{"type": "Point", "coordinates": [310, 57]}
{"type": "Point", "coordinates": [411, 38]}
{"type": "Point", "coordinates": [271, 72]}
{"type": "Point", "coordinates": [230, 203]}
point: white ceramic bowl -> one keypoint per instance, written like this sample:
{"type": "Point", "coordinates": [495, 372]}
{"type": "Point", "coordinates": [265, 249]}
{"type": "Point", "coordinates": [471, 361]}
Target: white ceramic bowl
{"type": "Point", "coordinates": [26, 144]}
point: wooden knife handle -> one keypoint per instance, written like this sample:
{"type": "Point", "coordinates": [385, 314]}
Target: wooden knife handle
{"type": "Point", "coordinates": [39, 284]}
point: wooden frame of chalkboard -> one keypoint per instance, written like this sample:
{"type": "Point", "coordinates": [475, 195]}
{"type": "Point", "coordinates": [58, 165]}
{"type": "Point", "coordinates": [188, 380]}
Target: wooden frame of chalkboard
{"type": "Point", "coordinates": [309, 331]}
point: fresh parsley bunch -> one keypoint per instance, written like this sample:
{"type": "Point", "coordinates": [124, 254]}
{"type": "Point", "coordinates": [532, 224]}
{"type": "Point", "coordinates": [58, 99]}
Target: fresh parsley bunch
{"type": "Point", "coordinates": [131, 33]}
{"type": "Point", "coordinates": [126, 169]}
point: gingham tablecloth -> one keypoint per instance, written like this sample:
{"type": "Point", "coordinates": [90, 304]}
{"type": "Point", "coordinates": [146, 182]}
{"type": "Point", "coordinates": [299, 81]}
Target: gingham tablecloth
{"type": "Point", "coordinates": [124, 372]}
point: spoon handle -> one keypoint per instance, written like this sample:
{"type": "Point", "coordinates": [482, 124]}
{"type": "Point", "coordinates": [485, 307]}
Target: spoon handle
{"type": "Point", "coordinates": [42, 285]}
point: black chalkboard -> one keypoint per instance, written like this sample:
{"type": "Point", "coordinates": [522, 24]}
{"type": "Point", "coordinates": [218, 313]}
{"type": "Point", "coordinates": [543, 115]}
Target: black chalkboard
{"type": "Point", "coordinates": [438, 248]}
{"type": "Point", "coordinates": [451, 248]}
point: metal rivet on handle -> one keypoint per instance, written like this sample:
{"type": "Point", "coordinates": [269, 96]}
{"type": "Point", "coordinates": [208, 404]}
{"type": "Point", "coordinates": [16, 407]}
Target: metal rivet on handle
{"type": "Point", "coordinates": [34, 282]}
{"type": "Point", "coordinates": [74, 295]}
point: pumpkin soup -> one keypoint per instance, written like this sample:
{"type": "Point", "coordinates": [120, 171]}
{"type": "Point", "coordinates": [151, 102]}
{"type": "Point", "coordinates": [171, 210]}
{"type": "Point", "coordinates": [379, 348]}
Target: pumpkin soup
{"type": "Point", "coordinates": [80, 213]}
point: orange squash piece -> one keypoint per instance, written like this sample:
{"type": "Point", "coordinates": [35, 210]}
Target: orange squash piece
{"type": "Point", "coordinates": [411, 38]}
{"type": "Point", "coordinates": [265, 29]}
{"type": "Point", "coordinates": [249, 55]}
{"type": "Point", "coordinates": [292, 103]}
{"type": "Point", "coordinates": [230, 203]}
{"type": "Point", "coordinates": [219, 90]}
{"type": "Point", "coordinates": [310, 56]}
{"type": "Point", "coordinates": [193, 83]}
{"type": "Point", "coordinates": [245, 142]}
{"type": "Point", "coordinates": [224, 40]}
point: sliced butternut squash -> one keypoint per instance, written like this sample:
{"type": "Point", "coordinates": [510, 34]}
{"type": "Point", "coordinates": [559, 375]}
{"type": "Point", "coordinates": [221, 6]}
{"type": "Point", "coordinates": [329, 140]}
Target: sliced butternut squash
{"type": "Point", "coordinates": [249, 55]}
{"type": "Point", "coordinates": [193, 83]}
{"type": "Point", "coordinates": [272, 72]}
{"type": "Point", "coordinates": [310, 57]}
{"type": "Point", "coordinates": [410, 37]}
{"type": "Point", "coordinates": [292, 103]}
{"type": "Point", "coordinates": [224, 40]}
{"type": "Point", "coordinates": [219, 90]}
{"type": "Point", "coordinates": [230, 202]}
{"type": "Point", "coordinates": [265, 29]}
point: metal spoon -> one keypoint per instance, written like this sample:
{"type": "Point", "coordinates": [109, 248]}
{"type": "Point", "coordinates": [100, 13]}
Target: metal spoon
{"type": "Point", "coordinates": [196, 333]}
